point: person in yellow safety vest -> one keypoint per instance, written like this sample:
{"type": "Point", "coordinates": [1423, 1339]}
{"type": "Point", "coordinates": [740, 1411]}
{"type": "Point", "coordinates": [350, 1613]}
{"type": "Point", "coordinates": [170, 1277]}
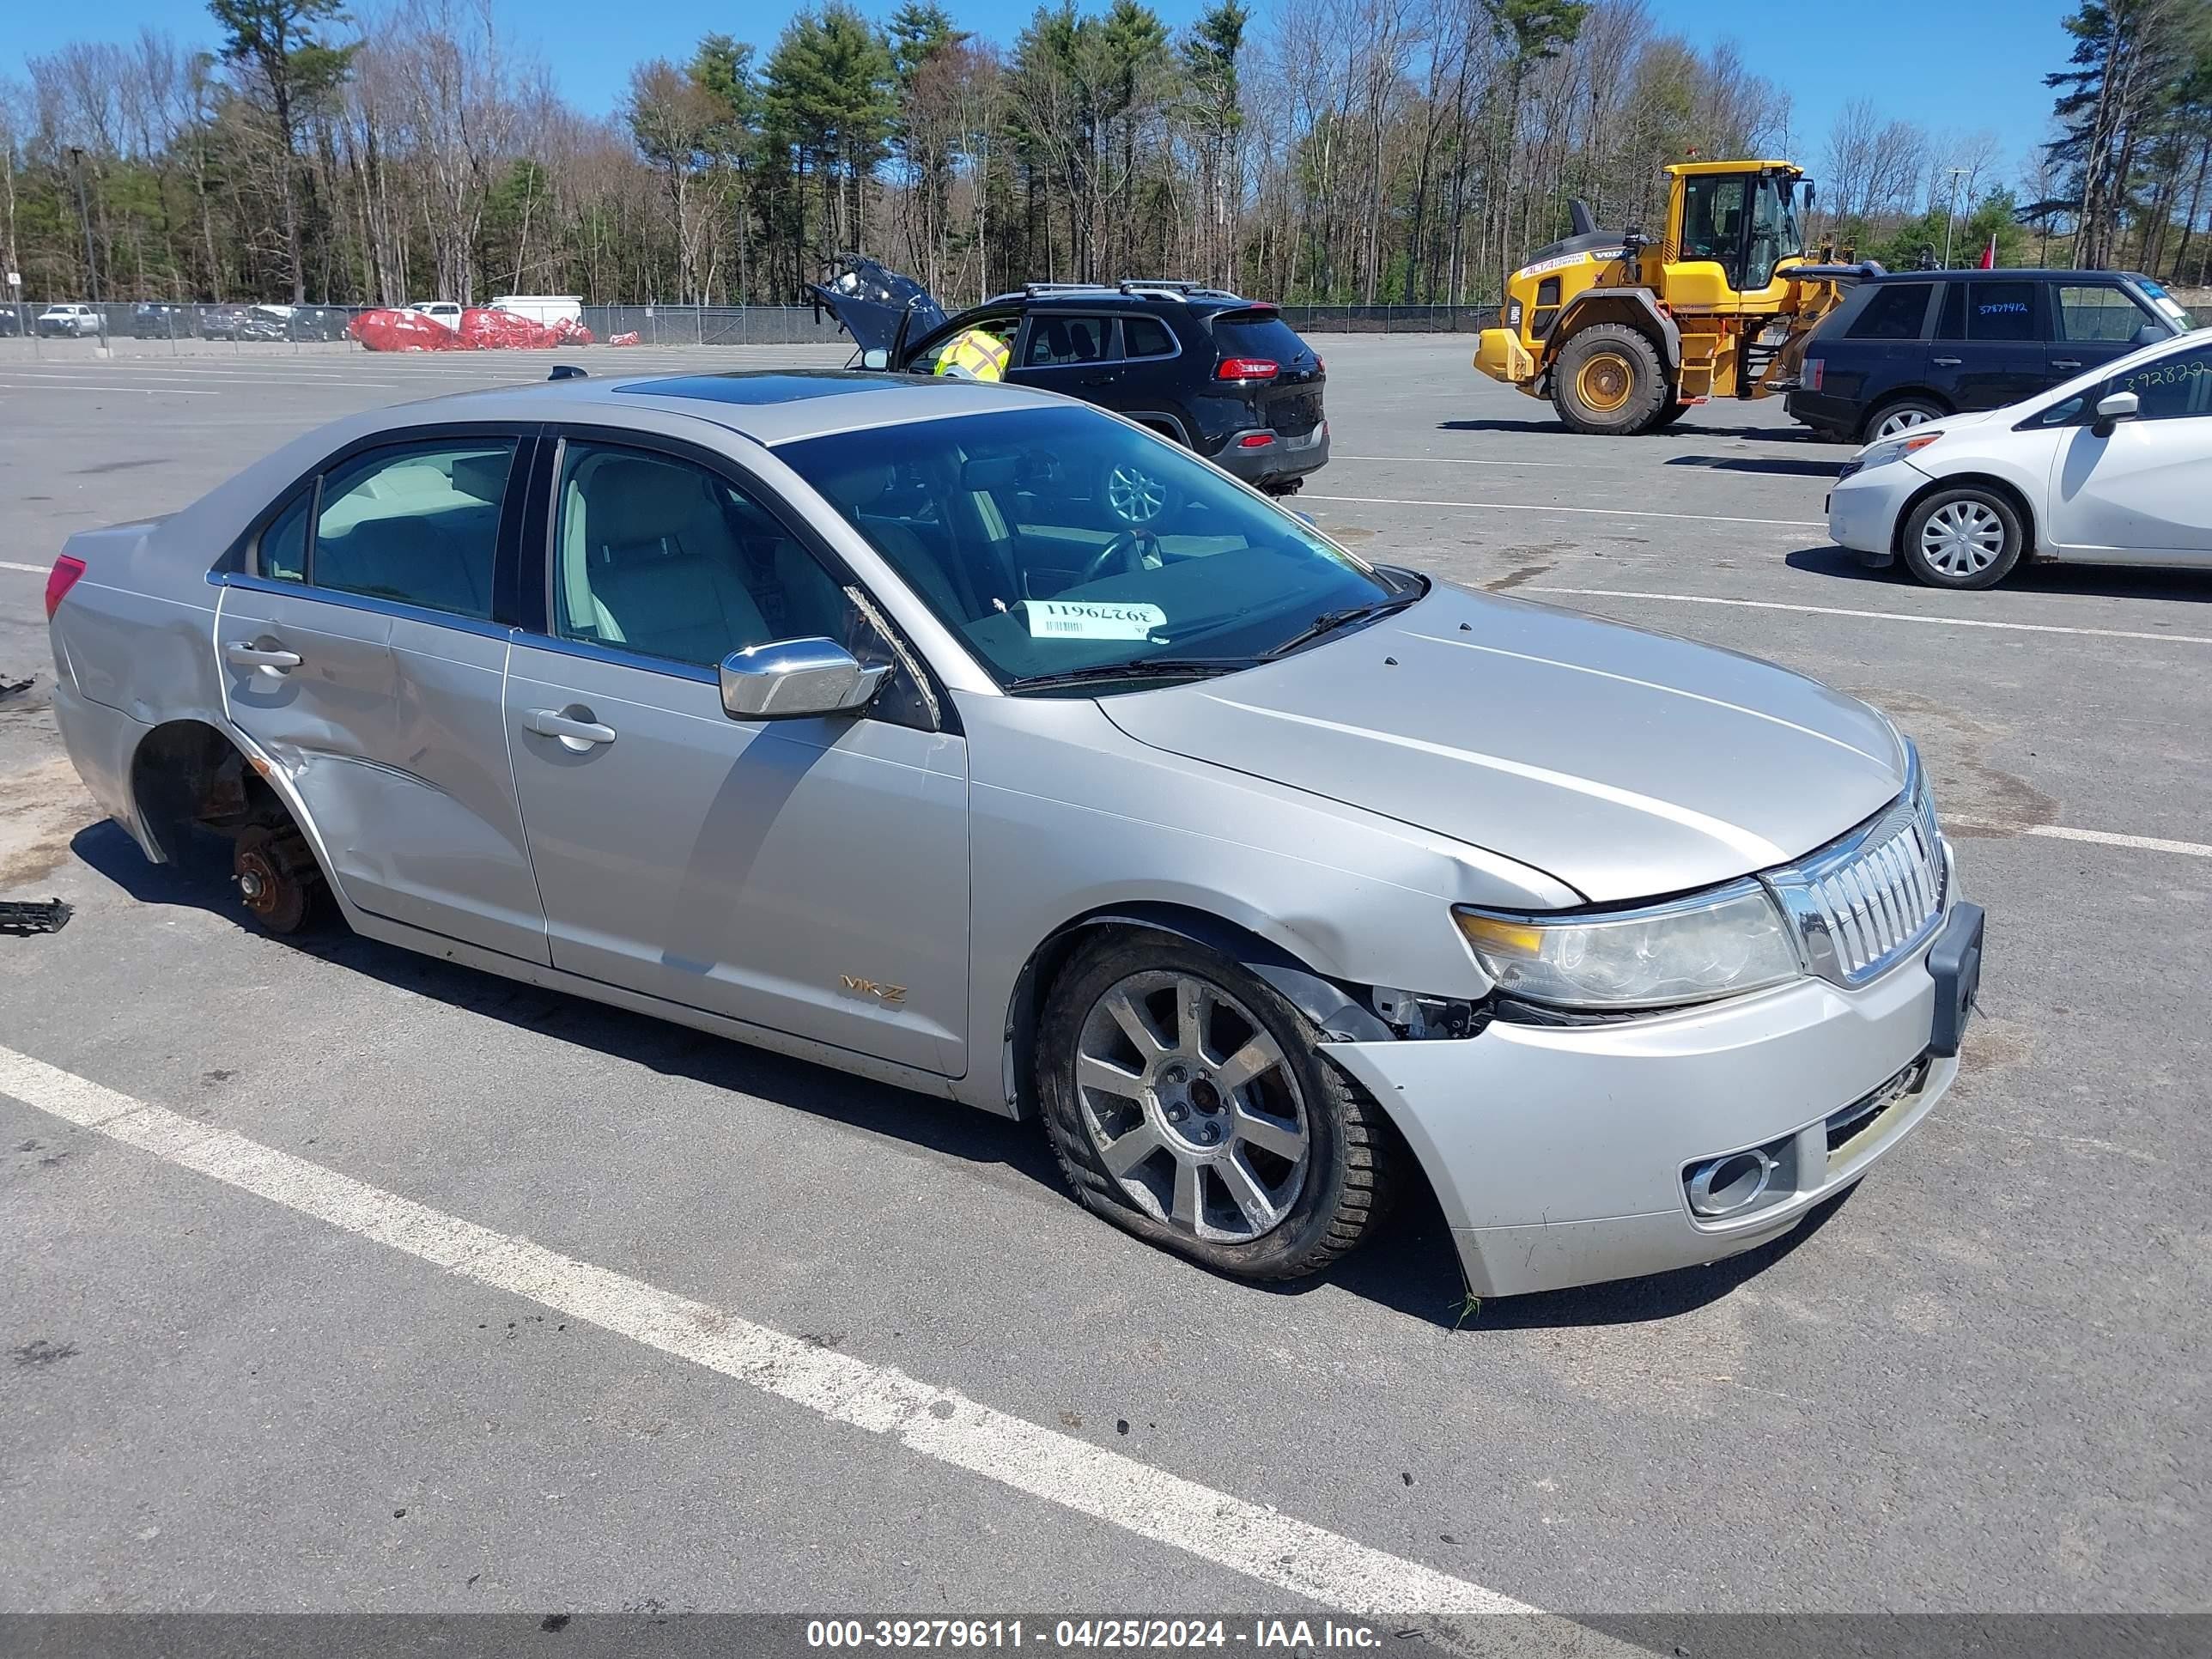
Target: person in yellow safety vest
{"type": "Point", "coordinates": [974, 353]}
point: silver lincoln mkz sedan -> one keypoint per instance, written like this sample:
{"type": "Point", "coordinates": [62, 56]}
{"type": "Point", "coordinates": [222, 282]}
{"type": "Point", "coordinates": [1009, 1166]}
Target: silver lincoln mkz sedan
{"type": "Point", "coordinates": [982, 741]}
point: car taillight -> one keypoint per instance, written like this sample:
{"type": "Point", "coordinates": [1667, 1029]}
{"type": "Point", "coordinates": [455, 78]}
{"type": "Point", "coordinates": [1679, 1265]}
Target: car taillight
{"type": "Point", "coordinates": [1248, 368]}
{"type": "Point", "coordinates": [61, 578]}
{"type": "Point", "coordinates": [1255, 440]}
{"type": "Point", "coordinates": [1815, 369]}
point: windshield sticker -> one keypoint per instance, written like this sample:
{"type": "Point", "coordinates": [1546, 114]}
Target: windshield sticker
{"type": "Point", "coordinates": [1088, 619]}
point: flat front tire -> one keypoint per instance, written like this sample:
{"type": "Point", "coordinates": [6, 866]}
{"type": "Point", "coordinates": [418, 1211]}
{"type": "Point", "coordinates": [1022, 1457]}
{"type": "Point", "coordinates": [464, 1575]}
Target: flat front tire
{"type": "Point", "coordinates": [1186, 1102]}
{"type": "Point", "coordinates": [1967, 536]}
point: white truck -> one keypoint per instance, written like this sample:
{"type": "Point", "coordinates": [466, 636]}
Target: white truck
{"type": "Point", "coordinates": [546, 308]}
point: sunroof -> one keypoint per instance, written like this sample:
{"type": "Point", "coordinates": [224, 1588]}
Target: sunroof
{"type": "Point", "coordinates": [763, 388]}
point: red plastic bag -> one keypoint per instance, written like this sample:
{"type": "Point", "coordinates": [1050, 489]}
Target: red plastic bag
{"type": "Point", "coordinates": [570, 332]}
{"type": "Point", "coordinates": [401, 331]}
{"type": "Point", "coordinates": [487, 328]}
{"type": "Point", "coordinates": [629, 338]}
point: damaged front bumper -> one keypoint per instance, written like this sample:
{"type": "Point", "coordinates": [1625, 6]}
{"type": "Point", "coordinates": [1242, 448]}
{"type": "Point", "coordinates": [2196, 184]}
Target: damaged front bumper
{"type": "Point", "coordinates": [1563, 1155]}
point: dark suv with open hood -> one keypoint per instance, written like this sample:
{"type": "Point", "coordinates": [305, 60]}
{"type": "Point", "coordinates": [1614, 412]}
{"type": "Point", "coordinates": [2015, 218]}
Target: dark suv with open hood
{"type": "Point", "coordinates": [1224, 375]}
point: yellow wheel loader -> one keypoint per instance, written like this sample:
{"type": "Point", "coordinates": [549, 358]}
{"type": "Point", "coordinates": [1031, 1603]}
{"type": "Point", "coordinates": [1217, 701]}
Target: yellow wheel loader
{"type": "Point", "coordinates": [1624, 332]}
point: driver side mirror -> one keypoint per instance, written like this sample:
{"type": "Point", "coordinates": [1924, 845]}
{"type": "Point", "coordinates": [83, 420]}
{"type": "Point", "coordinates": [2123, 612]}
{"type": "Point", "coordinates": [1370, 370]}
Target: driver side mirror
{"type": "Point", "coordinates": [797, 679]}
{"type": "Point", "coordinates": [2112, 409]}
{"type": "Point", "coordinates": [875, 357]}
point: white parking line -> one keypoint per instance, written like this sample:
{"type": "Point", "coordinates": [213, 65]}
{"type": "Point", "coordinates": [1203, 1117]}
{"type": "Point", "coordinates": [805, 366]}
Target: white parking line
{"type": "Point", "coordinates": [2194, 850]}
{"type": "Point", "coordinates": [150, 390]}
{"type": "Point", "coordinates": [1879, 616]}
{"type": "Point", "coordinates": [1599, 512]}
{"type": "Point", "coordinates": [28, 570]}
{"type": "Point", "coordinates": [937, 1423]}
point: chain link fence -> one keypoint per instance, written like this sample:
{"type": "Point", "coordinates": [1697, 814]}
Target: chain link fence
{"type": "Point", "coordinates": [263, 327]}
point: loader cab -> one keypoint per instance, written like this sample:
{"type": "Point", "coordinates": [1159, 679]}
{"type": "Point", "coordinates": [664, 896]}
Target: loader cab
{"type": "Point", "coordinates": [1742, 219]}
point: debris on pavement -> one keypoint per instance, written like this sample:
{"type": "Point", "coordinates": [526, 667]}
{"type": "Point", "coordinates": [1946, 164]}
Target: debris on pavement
{"type": "Point", "coordinates": [33, 916]}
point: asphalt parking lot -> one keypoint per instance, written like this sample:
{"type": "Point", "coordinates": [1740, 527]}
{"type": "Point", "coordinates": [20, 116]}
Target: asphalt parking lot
{"type": "Point", "coordinates": [1977, 1384]}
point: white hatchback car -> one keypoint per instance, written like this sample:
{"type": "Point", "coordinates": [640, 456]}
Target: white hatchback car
{"type": "Point", "coordinates": [2114, 466]}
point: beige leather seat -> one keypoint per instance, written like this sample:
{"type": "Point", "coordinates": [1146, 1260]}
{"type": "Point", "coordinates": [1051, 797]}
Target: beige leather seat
{"type": "Point", "coordinates": [662, 570]}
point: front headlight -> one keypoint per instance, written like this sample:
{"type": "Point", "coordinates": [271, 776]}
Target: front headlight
{"type": "Point", "coordinates": [1719, 944]}
{"type": "Point", "coordinates": [1897, 449]}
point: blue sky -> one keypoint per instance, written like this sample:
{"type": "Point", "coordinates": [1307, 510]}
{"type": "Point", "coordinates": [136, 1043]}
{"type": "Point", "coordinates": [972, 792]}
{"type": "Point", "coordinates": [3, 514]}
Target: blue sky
{"type": "Point", "coordinates": [1950, 65]}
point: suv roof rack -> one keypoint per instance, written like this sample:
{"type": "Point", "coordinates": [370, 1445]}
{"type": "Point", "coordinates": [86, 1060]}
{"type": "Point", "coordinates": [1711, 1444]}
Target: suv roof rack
{"type": "Point", "coordinates": [1166, 287]}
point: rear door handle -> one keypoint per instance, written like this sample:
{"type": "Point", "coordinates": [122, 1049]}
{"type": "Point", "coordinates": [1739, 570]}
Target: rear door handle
{"type": "Point", "coordinates": [574, 732]}
{"type": "Point", "coordinates": [2066, 363]}
{"type": "Point", "coordinates": [1948, 362]}
{"type": "Point", "coordinates": [242, 655]}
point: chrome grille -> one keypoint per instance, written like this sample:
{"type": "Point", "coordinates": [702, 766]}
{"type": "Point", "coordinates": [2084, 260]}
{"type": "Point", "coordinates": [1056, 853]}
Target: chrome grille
{"type": "Point", "coordinates": [1863, 903]}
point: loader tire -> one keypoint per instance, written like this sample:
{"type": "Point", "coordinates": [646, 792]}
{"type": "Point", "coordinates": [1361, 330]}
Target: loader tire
{"type": "Point", "coordinates": [1608, 380]}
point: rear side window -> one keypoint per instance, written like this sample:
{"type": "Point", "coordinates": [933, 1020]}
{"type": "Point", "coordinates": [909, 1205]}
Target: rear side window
{"type": "Point", "coordinates": [1145, 337]}
{"type": "Point", "coordinates": [281, 556]}
{"type": "Point", "coordinates": [2098, 314]}
{"type": "Point", "coordinates": [1054, 341]}
{"type": "Point", "coordinates": [1894, 312]}
{"type": "Point", "coordinates": [417, 525]}
{"type": "Point", "coordinates": [1256, 334]}
{"type": "Point", "coordinates": [2000, 310]}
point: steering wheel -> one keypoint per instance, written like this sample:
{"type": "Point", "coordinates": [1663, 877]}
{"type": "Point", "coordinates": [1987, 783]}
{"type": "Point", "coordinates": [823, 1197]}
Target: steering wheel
{"type": "Point", "coordinates": [1123, 556]}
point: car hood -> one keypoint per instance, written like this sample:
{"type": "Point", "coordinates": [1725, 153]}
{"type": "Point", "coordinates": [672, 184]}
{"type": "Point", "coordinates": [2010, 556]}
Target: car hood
{"type": "Point", "coordinates": [870, 301]}
{"type": "Point", "coordinates": [1626, 764]}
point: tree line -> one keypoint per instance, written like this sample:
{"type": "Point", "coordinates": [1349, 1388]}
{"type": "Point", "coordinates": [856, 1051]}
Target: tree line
{"type": "Point", "coordinates": [1363, 151]}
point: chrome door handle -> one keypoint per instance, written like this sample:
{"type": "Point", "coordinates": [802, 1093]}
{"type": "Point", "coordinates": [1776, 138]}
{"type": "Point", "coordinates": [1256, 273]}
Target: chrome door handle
{"type": "Point", "coordinates": [2066, 363]}
{"type": "Point", "coordinates": [576, 734]}
{"type": "Point", "coordinates": [242, 655]}
{"type": "Point", "coordinates": [1947, 363]}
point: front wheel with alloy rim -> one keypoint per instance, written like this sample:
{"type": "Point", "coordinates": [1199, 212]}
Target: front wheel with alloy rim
{"type": "Point", "coordinates": [1186, 1102]}
{"type": "Point", "coordinates": [1901, 416]}
{"type": "Point", "coordinates": [1608, 380]}
{"type": "Point", "coordinates": [1964, 537]}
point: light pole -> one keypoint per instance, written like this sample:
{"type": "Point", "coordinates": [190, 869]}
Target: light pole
{"type": "Point", "coordinates": [1951, 217]}
{"type": "Point", "coordinates": [84, 217]}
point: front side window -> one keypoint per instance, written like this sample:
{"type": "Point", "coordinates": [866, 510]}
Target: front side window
{"type": "Point", "coordinates": [416, 523]}
{"type": "Point", "coordinates": [2171, 387]}
{"type": "Point", "coordinates": [1059, 542]}
{"type": "Point", "coordinates": [2097, 313]}
{"type": "Point", "coordinates": [2000, 310]}
{"type": "Point", "coordinates": [659, 556]}
{"type": "Point", "coordinates": [1774, 235]}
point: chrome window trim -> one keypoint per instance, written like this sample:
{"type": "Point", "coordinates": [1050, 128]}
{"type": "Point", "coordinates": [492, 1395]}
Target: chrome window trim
{"type": "Point", "coordinates": [614, 657]}
{"type": "Point", "coordinates": [337, 596]}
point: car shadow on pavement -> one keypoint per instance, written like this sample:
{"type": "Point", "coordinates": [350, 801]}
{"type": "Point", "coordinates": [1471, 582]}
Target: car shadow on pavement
{"type": "Point", "coordinates": [200, 879]}
{"type": "Point", "coordinates": [1779, 464]}
{"type": "Point", "coordinates": [2103, 581]}
{"type": "Point", "coordinates": [1409, 1267]}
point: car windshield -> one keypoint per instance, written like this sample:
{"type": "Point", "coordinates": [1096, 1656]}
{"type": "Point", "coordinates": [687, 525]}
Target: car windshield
{"type": "Point", "coordinates": [1067, 548]}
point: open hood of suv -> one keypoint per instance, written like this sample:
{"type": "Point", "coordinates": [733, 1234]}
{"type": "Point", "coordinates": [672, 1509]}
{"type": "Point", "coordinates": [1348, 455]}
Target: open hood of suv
{"type": "Point", "coordinates": [1629, 765]}
{"type": "Point", "coordinates": [871, 302]}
